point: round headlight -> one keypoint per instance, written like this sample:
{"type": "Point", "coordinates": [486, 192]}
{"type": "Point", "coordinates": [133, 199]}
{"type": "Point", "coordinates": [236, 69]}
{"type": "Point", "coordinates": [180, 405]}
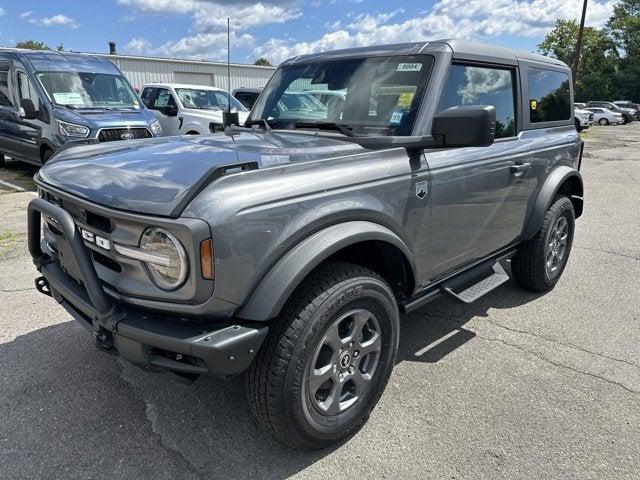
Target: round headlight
{"type": "Point", "coordinates": [168, 266]}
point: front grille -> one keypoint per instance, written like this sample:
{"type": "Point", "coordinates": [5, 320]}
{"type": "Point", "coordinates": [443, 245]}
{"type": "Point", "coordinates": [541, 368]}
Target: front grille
{"type": "Point", "coordinates": [113, 134]}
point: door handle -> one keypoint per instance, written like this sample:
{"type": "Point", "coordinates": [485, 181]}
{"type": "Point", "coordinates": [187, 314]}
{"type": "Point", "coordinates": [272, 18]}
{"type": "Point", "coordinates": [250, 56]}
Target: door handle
{"type": "Point", "coordinates": [518, 169]}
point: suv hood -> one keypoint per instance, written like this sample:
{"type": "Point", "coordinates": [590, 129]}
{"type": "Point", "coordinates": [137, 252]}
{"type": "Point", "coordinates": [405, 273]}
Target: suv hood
{"type": "Point", "coordinates": [153, 176]}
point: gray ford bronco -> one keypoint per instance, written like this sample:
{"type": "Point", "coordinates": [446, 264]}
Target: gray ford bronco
{"type": "Point", "coordinates": [289, 247]}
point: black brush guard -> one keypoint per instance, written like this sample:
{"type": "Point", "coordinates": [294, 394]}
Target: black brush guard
{"type": "Point", "coordinates": [145, 339]}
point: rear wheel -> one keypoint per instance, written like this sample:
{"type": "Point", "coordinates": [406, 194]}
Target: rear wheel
{"type": "Point", "coordinates": [541, 260]}
{"type": "Point", "coordinates": [2, 160]}
{"type": "Point", "coordinates": [577, 124]}
{"type": "Point", "coordinates": [327, 359]}
{"type": "Point", "coordinates": [46, 155]}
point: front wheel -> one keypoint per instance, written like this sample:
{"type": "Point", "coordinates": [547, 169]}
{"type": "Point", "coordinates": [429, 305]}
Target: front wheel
{"type": "Point", "coordinates": [327, 358]}
{"type": "Point", "coordinates": [541, 260]}
{"type": "Point", "coordinates": [603, 121]}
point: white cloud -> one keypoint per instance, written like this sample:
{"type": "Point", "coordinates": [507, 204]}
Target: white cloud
{"type": "Point", "coordinates": [205, 46]}
{"type": "Point", "coordinates": [466, 19]}
{"type": "Point", "coordinates": [138, 45]}
{"type": "Point", "coordinates": [202, 46]}
{"type": "Point", "coordinates": [207, 37]}
{"type": "Point", "coordinates": [26, 14]}
{"type": "Point", "coordinates": [2, 12]}
{"type": "Point", "coordinates": [59, 20]}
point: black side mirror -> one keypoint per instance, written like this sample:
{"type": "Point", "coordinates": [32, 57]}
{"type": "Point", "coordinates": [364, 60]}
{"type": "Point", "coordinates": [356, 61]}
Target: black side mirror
{"type": "Point", "coordinates": [230, 118]}
{"type": "Point", "coordinates": [29, 109]}
{"type": "Point", "coordinates": [465, 126]}
{"type": "Point", "coordinates": [171, 110]}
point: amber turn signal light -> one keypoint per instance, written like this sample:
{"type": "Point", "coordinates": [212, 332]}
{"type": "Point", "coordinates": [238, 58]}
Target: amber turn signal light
{"type": "Point", "coordinates": [206, 259]}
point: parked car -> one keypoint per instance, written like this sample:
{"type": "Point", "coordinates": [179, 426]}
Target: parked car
{"type": "Point", "coordinates": [290, 247]}
{"type": "Point", "coordinates": [583, 119]}
{"type": "Point", "coordinates": [190, 109]}
{"type": "Point", "coordinates": [49, 98]}
{"type": "Point", "coordinates": [581, 106]}
{"type": "Point", "coordinates": [628, 115]}
{"type": "Point", "coordinates": [629, 105]}
{"type": "Point", "coordinates": [604, 116]}
{"type": "Point", "coordinates": [247, 96]}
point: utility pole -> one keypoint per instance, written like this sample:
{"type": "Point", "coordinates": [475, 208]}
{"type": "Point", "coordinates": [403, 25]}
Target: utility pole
{"type": "Point", "coordinates": [576, 59]}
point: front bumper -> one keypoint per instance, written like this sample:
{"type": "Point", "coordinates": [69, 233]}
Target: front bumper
{"type": "Point", "coordinates": [148, 340]}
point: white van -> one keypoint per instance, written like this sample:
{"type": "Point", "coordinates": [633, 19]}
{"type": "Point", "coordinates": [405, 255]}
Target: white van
{"type": "Point", "coordinates": [185, 109]}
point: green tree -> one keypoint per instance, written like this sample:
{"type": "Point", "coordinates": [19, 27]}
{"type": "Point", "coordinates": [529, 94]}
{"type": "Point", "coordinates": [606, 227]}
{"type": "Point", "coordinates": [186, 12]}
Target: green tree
{"type": "Point", "coordinates": [598, 63]}
{"type": "Point", "coordinates": [263, 62]}
{"type": "Point", "coordinates": [624, 29]}
{"type": "Point", "coordinates": [32, 45]}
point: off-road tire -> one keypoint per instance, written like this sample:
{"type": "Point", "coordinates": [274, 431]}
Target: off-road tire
{"type": "Point", "coordinates": [529, 265]}
{"type": "Point", "coordinates": [577, 124]}
{"type": "Point", "coordinates": [46, 156]}
{"type": "Point", "coordinates": [276, 385]}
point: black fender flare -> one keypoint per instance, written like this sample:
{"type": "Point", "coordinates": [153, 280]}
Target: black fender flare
{"type": "Point", "coordinates": [552, 185]}
{"type": "Point", "coordinates": [283, 278]}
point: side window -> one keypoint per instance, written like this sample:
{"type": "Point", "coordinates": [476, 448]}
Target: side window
{"type": "Point", "coordinates": [164, 99]}
{"type": "Point", "coordinates": [5, 94]}
{"type": "Point", "coordinates": [549, 95]}
{"type": "Point", "coordinates": [26, 90]}
{"type": "Point", "coordinates": [469, 85]}
{"type": "Point", "coordinates": [147, 96]}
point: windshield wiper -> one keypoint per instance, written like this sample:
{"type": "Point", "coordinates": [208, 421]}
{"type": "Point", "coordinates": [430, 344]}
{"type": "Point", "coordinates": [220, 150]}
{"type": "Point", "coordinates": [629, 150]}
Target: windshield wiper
{"type": "Point", "coordinates": [343, 128]}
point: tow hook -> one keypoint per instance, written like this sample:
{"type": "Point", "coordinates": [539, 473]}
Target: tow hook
{"type": "Point", "coordinates": [42, 285]}
{"type": "Point", "coordinates": [104, 342]}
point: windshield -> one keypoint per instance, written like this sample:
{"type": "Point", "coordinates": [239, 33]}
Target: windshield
{"type": "Point", "coordinates": [371, 96]}
{"type": "Point", "coordinates": [208, 99]}
{"type": "Point", "coordinates": [88, 90]}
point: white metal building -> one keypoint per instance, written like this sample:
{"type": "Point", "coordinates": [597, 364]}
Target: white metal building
{"type": "Point", "coordinates": [141, 70]}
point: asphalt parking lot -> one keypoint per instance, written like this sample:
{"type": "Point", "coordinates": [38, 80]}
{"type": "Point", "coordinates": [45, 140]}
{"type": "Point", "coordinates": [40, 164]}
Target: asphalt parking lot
{"type": "Point", "coordinates": [515, 386]}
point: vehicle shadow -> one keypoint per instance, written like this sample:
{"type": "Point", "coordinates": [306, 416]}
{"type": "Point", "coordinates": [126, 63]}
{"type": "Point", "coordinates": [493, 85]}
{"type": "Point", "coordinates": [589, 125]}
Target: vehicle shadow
{"type": "Point", "coordinates": [71, 411]}
{"type": "Point", "coordinates": [18, 173]}
{"type": "Point", "coordinates": [437, 329]}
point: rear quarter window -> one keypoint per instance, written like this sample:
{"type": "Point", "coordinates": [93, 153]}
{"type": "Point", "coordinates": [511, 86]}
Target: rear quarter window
{"type": "Point", "coordinates": [549, 95]}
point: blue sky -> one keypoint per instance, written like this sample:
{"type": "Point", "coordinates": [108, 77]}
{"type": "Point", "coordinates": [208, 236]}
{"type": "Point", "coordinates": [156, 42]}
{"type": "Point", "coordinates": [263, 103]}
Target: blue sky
{"type": "Point", "coordinates": [278, 29]}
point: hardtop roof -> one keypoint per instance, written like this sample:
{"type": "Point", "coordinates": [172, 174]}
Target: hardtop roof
{"type": "Point", "coordinates": [461, 49]}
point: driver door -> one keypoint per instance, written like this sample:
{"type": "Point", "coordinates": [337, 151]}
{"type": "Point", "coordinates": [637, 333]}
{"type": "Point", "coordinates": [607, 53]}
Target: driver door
{"type": "Point", "coordinates": [165, 108]}
{"type": "Point", "coordinates": [479, 196]}
{"type": "Point", "coordinates": [29, 131]}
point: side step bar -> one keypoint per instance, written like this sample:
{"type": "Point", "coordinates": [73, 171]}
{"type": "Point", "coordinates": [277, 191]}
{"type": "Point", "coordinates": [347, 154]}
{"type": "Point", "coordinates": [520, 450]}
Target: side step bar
{"type": "Point", "coordinates": [474, 292]}
{"type": "Point", "coordinates": [489, 270]}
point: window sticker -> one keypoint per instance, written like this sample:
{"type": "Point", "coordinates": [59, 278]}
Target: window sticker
{"type": "Point", "coordinates": [68, 98]}
{"type": "Point", "coordinates": [409, 67]}
{"type": "Point", "coordinates": [534, 105]}
{"type": "Point", "coordinates": [396, 118]}
{"type": "Point", "coordinates": [405, 99]}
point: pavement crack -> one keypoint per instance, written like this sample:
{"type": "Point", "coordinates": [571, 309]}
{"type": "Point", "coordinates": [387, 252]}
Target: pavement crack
{"type": "Point", "coordinates": [602, 250]}
{"type": "Point", "coordinates": [542, 337]}
{"type": "Point", "coordinates": [2, 290]}
{"type": "Point", "coordinates": [564, 344]}
{"type": "Point", "coordinates": [541, 357]}
{"type": "Point", "coordinates": [152, 415]}
{"type": "Point", "coordinates": [558, 364]}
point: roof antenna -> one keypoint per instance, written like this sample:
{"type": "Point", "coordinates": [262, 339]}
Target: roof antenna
{"type": "Point", "coordinates": [228, 117]}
